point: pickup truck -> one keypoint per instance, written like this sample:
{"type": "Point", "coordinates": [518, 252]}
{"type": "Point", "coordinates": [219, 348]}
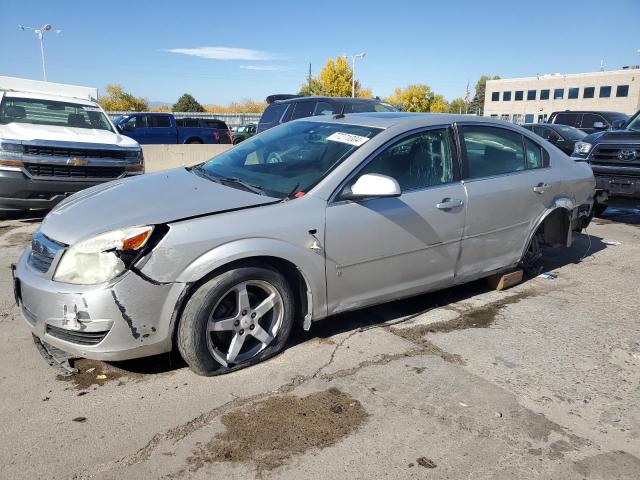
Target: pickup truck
{"type": "Point", "coordinates": [614, 157]}
{"type": "Point", "coordinates": [164, 128]}
{"type": "Point", "coordinates": [54, 141]}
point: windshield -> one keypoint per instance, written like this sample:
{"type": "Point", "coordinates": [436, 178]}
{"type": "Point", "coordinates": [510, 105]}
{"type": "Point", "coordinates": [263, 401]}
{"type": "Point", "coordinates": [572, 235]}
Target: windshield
{"type": "Point", "coordinates": [289, 158]}
{"type": "Point", "coordinates": [634, 124]}
{"type": "Point", "coordinates": [54, 113]}
{"type": "Point", "coordinates": [570, 133]}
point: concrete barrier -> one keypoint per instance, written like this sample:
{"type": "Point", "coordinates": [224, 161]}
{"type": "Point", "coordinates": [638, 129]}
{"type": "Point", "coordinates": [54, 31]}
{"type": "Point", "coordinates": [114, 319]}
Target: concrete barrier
{"type": "Point", "coordinates": [161, 157]}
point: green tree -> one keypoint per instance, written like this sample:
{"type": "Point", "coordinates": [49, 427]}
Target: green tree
{"type": "Point", "coordinates": [438, 104]}
{"type": "Point", "coordinates": [457, 105]}
{"type": "Point", "coordinates": [186, 103]}
{"type": "Point", "coordinates": [413, 98]}
{"type": "Point", "coordinates": [477, 104]}
{"type": "Point", "coordinates": [116, 99]}
{"type": "Point", "coordinates": [334, 80]}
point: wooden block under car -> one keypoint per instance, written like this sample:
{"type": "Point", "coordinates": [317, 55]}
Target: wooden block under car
{"type": "Point", "coordinates": [502, 281]}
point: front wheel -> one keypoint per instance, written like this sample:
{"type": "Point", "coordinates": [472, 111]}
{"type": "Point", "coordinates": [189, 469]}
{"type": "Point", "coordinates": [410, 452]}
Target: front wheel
{"type": "Point", "coordinates": [236, 319]}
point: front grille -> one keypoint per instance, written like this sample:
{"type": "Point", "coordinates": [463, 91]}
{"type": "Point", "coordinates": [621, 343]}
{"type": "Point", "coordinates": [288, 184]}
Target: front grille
{"type": "Point", "coordinates": [67, 171]}
{"type": "Point", "coordinates": [73, 336]}
{"type": "Point", "coordinates": [610, 154]}
{"type": "Point", "coordinates": [43, 251]}
{"type": "Point", "coordinates": [73, 152]}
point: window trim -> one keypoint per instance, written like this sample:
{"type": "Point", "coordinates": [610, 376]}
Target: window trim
{"type": "Point", "coordinates": [600, 91]}
{"type": "Point", "coordinates": [548, 93]}
{"type": "Point", "coordinates": [576, 89]}
{"type": "Point", "coordinates": [626, 95]}
{"type": "Point", "coordinates": [515, 97]}
{"type": "Point", "coordinates": [535, 95]}
{"type": "Point", "coordinates": [592, 91]}
{"type": "Point", "coordinates": [455, 161]}
{"type": "Point", "coordinates": [464, 170]}
{"type": "Point", "coordinates": [495, 96]}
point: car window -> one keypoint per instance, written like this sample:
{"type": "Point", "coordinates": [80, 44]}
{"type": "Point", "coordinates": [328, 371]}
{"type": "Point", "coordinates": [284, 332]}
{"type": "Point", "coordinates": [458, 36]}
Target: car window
{"type": "Point", "coordinates": [290, 157]}
{"type": "Point", "coordinates": [567, 119]}
{"type": "Point", "coordinates": [324, 108]}
{"type": "Point", "coordinates": [158, 121]}
{"type": "Point", "coordinates": [549, 135]}
{"type": "Point", "coordinates": [273, 113]}
{"type": "Point", "coordinates": [302, 110]}
{"type": "Point", "coordinates": [588, 119]}
{"type": "Point", "coordinates": [533, 154]}
{"type": "Point", "coordinates": [419, 161]}
{"type": "Point", "coordinates": [492, 151]}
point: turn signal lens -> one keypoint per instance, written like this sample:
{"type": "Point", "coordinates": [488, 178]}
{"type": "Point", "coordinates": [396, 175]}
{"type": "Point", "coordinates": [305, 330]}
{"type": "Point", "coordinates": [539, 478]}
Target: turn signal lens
{"type": "Point", "coordinates": [11, 163]}
{"type": "Point", "coordinates": [137, 241]}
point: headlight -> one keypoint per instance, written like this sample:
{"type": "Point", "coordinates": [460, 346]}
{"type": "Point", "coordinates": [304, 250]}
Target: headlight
{"type": "Point", "coordinates": [11, 155]}
{"type": "Point", "coordinates": [101, 258]}
{"type": "Point", "coordinates": [582, 148]}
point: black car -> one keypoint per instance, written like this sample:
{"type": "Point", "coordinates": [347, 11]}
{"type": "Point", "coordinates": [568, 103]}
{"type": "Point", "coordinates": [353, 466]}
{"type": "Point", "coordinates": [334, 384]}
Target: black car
{"type": "Point", "coordinates": [615, 159]}
{"type": "Point", "coordinates": [590, 121]}
{"type": "Point", "coordinates": [562, 136]}
{"type": "Point", "coordinates": [283, 108]}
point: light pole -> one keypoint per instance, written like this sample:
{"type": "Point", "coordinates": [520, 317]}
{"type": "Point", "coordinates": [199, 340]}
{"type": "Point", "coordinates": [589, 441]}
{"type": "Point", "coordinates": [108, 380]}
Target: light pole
{"type": "Point", "coordinates": [353, 69]}
{"type": "Point", "coordinates": [40, 34]}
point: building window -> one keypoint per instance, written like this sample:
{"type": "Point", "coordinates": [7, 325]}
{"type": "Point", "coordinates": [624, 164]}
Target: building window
{"type": "Point", "coordinates": [528, 118]}
{"type": "Point", "coordinates": [573, 92]}
{"type": "Point", "coordinates": [494, 115]}
{"type": "Point", "coordinates": [605, 92]}
{"type": "Point", "coordinates": [531, 94]}
{"type": "Point", "coordinates": [516, 118]}
{"type": "Point", "coordinates": [622, 91]}
{"type": "Point", "coordinates": [505, 117]}
{"type": "Point", "coordinates": [544, 94]}
{"type": "Point", "coordinates": [558, 93]}
{"type": "Point", "coordinates": [542, 118]}
{"type": "Point", "coordinates": [495, 96]}
{"type": "Point", "coordinates": [506, 96]}
{"type": "Point", "coordinates": [588, 92]}
{"type": "Point", "coordinates": [519, 95]}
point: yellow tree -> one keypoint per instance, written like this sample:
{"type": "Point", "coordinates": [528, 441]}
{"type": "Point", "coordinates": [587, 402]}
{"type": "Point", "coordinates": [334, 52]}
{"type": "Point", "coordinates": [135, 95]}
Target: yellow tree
{"type": "Point", "coordinates": [334, 81]}
{"type": "Point", "coordinates": [414, 98]}
{"type": "Point", "coordinates": [438, 104]}
{"type": "Point", "coordinates": [117, 99]}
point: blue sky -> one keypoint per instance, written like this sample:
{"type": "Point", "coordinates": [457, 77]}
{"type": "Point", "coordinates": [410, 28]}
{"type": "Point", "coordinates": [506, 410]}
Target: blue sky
{"type": "Point", "coordinates": [222, 51]}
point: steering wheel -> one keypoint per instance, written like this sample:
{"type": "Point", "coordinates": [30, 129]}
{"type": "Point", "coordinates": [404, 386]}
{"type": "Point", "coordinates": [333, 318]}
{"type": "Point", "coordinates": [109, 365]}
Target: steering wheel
{"type": "Point", "coordinates": [274, 157]}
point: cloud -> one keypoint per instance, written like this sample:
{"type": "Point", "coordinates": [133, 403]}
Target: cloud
{"type": "Point", "coordinates": [261, 68]}
{"type": "Point", "coordinates": [225, 53]}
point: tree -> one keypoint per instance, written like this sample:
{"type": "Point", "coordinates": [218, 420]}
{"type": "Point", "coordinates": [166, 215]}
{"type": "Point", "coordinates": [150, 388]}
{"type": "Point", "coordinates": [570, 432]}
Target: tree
{"type": "Point", "coordinates": [186, 103]}
{"type": "Point", "coordinates": [457, 105]}
{"type": "Point", "coordinates": [438, 104]}
{"type": "Point", "coordinates": [477, 104]}
{"type": "Point", "coordinates": [334, 81]}
{"type": "Point", "coordinates": [245, 106]}
{"type": "Point", "coordinates": [117, 100]}
{"type": "Point", "coordinates": [414, 98]}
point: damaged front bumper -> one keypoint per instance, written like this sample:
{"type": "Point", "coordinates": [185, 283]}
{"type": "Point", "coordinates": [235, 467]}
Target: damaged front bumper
{"type": "Point", "coordinates": [130, 317]}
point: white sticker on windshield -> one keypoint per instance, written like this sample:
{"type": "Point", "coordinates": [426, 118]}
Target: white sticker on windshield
{"type": "Point", "coordinates": [92, 109]}
{"type": "Point", "coordinates": [349, 138]}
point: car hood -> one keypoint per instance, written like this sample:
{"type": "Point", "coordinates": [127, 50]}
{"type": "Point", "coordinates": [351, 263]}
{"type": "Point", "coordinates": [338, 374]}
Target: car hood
{"type": "Point", "coordinates": [29, 132]}
{"type": "Point", "coordinates": [614, 136]}
{"type": "Point", "coordinates": [150, 199]}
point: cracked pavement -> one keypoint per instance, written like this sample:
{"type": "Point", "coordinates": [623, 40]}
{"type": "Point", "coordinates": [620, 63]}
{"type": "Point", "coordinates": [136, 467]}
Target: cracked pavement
{"type": "Point", "coordinates": [539, 381]}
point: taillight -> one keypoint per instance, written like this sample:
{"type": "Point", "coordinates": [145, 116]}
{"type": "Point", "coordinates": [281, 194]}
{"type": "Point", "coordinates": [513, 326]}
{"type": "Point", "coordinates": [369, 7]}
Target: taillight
{"type": "Point", "coordinates": [216, 136]}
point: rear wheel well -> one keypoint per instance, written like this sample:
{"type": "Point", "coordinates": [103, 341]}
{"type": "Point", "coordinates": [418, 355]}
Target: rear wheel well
{"type": "Point", "coordinates": [293, 276]}
{"type": "Point", "coordinates": [555, 229]}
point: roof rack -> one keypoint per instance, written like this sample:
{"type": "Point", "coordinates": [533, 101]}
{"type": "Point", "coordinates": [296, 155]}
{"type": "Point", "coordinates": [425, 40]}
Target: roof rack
{"type": "Point", "coordinates": [281, 96]}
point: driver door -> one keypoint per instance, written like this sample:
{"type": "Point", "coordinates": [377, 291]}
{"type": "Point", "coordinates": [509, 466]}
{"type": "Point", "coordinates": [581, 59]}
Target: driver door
{"type": "Point", "coordinates": [379, 249]}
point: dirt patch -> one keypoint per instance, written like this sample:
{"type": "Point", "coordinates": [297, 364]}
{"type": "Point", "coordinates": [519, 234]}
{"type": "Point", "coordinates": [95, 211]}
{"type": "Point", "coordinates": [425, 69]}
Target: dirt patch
{"type": "Point", "coordinates": [94, 373]}
{"type": "Point", "coordinates": [5, 229]}
{"type": "Point", "coordinates": [20, 238]}
{"type": "Point", "coordinates": [269, 433]}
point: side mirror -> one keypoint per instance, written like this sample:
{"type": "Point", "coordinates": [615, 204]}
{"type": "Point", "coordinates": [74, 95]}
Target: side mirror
{"type": "Point", "coordinates": [372, 185]}
{"type": "Point", "coordinates": [619, 124]}
{"type": "Point", "coordinates": [599, 125]}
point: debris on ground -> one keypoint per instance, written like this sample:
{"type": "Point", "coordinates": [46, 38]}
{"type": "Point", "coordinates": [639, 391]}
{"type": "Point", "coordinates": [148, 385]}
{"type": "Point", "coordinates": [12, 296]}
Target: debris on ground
{"type": "Point", "coordinates": [548, 276]}
{"type": "Point", "coordinates": [269, 433]}
{"type": "Point", "coordinates": [612, 242]}
{"type": "Point", "coordinates": [80, 419]}
{"type": "Point", "coordinates": [426, 462]}
{"type": "Point", "coordinates": [502, 281]}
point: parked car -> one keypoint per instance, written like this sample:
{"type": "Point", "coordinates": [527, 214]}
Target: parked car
{"type": "Point", "coordinates": [589, 121]}
{"type": "Point", "coordinates": [284, 108]}
{"type": "Point", "coordinates": [164, 128]}
{"type": "Point", "coordinates": [242, 132]}
{"type": "Point", "coordinates": [614, 157]}
{"type": "Point", "coordinates": [562, 136]}
{"type": "Point", "coordinates": [54, 141]}
{"type": "Point", "coordinates": [311, 218]}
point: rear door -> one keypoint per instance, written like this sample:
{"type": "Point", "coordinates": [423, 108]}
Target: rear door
{"type": "Point", "coordinates": [588, 121]}
{"type": "Point", "coordinates": [381, 248]}
{"type": "Point", "coordinates": [509, 184]}
{"type": "Point", "coordinates": [157, 129]}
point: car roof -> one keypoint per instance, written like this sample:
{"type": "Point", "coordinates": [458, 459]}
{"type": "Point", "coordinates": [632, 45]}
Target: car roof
{"type": "Point", "coordinates": [601, 112]}
{"type": "Point", "coordinates": [335, 99]}
{"type": "Point", "coordinates": [409, 120]}
{"type": "Point", "coordinates": [552, 126]}
{"type": "Point", "coordinates": [48, 96]}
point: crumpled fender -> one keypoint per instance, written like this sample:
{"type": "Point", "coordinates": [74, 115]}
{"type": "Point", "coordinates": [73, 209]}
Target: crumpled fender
{"type": "Point", "coordinates": [309, 263]}
{"type": "Point", "coordinates": [558, 202]}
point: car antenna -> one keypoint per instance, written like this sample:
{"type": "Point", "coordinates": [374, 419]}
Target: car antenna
{"type": "Point", "coordinates": [341, 114]}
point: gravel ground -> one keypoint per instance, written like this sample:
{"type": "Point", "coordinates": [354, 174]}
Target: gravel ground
{"type": "Point", "coordinates": [540, 381]}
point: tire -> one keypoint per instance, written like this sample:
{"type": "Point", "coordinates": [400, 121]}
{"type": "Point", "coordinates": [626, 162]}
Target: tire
{"type": "Point", "coordinates": [236, 141]}
{"type": "Point", "coordinates": [599, 209]}
{"type": "Point", "coordinates": [213, 321]}
{"type": "Point", "coordinates": [194, 142]}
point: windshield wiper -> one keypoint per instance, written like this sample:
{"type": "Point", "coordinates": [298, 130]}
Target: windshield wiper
{"type": "Point", "coordinates": [247, 186]}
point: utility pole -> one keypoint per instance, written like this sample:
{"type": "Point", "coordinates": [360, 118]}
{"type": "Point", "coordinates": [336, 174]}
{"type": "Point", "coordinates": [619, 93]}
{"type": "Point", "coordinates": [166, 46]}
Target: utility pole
{"type": "Point", "coordinates": [309, 78]}
{"type": "Point", "coordinates": [353, 69]}
{"type": "Point", "coordinates": [40, 34]}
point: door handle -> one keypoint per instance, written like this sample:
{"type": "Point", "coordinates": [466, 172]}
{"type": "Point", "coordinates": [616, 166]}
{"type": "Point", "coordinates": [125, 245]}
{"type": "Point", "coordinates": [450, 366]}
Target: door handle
{"type": "Point", "coordinates": [541, 187]}
{"type": "Point", "coordinates": [449, 203]}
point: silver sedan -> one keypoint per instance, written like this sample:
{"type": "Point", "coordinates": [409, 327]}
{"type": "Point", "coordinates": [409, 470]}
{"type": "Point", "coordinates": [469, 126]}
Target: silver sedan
{"type": "Point", "coordinates": [306, 220]}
